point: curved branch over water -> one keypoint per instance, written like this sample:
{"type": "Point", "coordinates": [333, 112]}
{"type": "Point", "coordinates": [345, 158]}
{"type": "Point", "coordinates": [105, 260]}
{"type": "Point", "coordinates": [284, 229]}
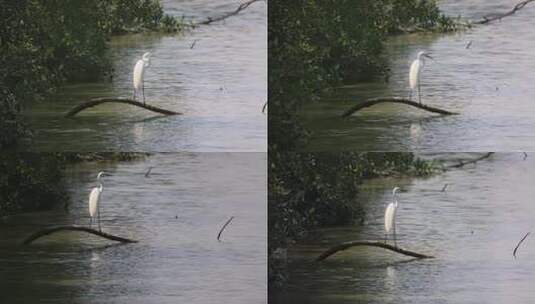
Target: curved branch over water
{"type": "Point", "coordinates": [374, 101]}
{"type": "Point", "coordinates": [347, 245]}
{"type": "Point", "coordinates": [229, 14]}
{"type": "Point", "coordinates": [494, 17]}
{"type": "Point", "coordinates": [97, 101]}
{"type": "Point", "coordinates": [51, 230]}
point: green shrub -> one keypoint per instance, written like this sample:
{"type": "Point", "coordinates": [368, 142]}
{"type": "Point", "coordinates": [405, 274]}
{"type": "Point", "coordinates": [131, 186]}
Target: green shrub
{"type": "Point", "coordinates": [30, 182]}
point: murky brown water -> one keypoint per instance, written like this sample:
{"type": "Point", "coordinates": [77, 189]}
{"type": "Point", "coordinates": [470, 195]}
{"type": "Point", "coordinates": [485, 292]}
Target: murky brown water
{"type": "Point", "coordinates": [175, 214]}
{"type": "Point", "coordinates": [220, 85]}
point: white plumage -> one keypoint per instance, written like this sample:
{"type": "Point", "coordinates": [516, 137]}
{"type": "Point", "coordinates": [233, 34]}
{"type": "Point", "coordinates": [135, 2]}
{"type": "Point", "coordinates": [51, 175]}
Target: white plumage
{"type": "Point", "coordinates": [414, 75]}
{"type": "Point", "coordinates": [390, 216]}
{"type": "Point", "coordinates": [415, 72]}
{"type": "Point", "coordinates": [94, 200]}
{"type": "Point", "coordinates": [139, 73]}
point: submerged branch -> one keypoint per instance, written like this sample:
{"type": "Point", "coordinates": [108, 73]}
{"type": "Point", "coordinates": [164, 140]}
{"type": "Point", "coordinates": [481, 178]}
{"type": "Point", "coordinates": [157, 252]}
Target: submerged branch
{"type": "Point", "coordinates": [229, 14]}
{"type": "Point", "coordinates": [493, 17]}
{"type": "Point", "coordinates": [374, 101]}
{"type": "Point", "coordinates": [97, 101]}
{"type": "Point", "coordinates": [347, 245]}
{"type": "Point", "coordinates": [50, 230]}
{"type": "Point", "coordinates": [472, 161]}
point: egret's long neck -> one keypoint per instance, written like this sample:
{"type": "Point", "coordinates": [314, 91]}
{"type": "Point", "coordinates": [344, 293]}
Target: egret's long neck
{"type": "Point", "coordinates": [99, 180]}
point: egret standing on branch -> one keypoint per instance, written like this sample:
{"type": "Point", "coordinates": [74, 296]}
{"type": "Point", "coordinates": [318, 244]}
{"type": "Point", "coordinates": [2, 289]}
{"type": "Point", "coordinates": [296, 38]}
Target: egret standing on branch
{"type": "Point", "coordinates": [390, 217]}
{"type": "Point", "coordinates": [139, 71]}
{"type": "Point", "coordinates": [415, 71]}
{"type": "Point", "coordinates": [94, 199]}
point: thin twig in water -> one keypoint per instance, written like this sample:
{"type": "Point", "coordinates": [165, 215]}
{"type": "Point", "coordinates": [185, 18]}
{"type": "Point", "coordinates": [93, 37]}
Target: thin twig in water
{"type": "Point", "coordinates": [223, 228]}
{"type": "Point", "coordinates": [444, 188]}
{"type": "Point", "coordinates": [148, 172]}
{"type": "Point", "coordinates": [264, 107]}
{"type": "Point", "coordinates": [525, 155]}
{"type": "Point", "coordinates": [193, 44]}
{"type": "Point", "coordinates": [468, 44]}
{"type": "Point", "coordinates": [516, 248]}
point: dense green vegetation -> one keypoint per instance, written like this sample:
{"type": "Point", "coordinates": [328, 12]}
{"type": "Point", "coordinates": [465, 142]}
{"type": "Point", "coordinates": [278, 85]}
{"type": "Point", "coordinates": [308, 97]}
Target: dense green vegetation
{"type": "Point", "coordinates": [313, 46]}
{"type": "Point", "coordinates": [35, 181]}
{"type": "Point", "coordinates": [30, 182]}
{"type": "Point", "coordinates": [310, 190]}
{"type": "Point", "coordinates": [46, 43]}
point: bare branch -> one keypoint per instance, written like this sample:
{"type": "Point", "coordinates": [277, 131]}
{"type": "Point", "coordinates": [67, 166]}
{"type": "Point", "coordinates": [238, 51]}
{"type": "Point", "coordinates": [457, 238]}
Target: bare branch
{"type": "Point", "coordinates": [472, 161]}
{"type": "Point", "coordinates": [494, 17]}
{"type": "Point", "coordinates": [223, 228]}
{"type": "Point", "coordinates": [229, 14]}
{"type": "Point", "coordinates": [347, 245]}
{"type": "Point", "coordinates": [54, 229]}
{"type": "Point", "coordinates": [518, 245]}
{"type": "Point", "coordinates": [374, 101]}
{"type": "Point", "coordinates": [97, 101]}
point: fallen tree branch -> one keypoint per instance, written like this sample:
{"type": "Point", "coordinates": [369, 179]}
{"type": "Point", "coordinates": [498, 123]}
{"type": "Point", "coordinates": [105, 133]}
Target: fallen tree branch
{"type": "Point", "coordinates": [374, 101]}
{"type": "Point", "coordinates": [472, 161]}
{"type": "Point", "coordinates": [518, 245]}
{"type": "Point", "coordinates": [223, 228]}
{"type": "Point", "coordinates": [50, 230]}
{"type": "Point", "coordinates": [97, 101]}
{"type": "Point", "coordinates": [347, 245]}
{"type": "Point", "coordinates": [229, 14]}
{"type": "Point", "coordinates": [493, 17]}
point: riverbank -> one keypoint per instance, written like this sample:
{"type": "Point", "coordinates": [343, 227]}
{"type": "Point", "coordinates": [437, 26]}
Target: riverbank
{"type": "Point", "coordinates": [32, 182]}
{"type": "Point", "coordinates": [315, 46]}
{"type": "Point", "coordinates": [311, 190]}
{"type": "Point", "coordinates": [48, 44]}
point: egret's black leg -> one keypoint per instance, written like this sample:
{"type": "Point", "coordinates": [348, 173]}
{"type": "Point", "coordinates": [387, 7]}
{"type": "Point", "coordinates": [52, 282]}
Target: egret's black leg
{"type": "Point", "coordinates": [134, 96]}
{"type": "Point", "coordinates": [386, 236]}
{"type": "Point", "coordinates": [419, 94]}
{"type": "Point", "coordinates": [98, 215]}
{"type": "Point", "coordinates": [395, 242]}
{"type": "Point", "coordinates": [90, 221]}
{"type": "Point", "coordinates": [143, 86]}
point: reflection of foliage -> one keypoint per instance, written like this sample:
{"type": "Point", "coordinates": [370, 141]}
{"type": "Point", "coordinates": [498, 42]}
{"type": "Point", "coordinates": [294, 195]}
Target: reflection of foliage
{"type": "Point", "coordinates": [308, 190]}
{"type": "Point", "coordinates": [30, 182]}
{"type": "Point", "coordinates": [45, 43]}
{"type": "Point", "coordinates": [315, 44]}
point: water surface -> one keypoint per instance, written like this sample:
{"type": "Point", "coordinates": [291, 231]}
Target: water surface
{"type": "Point", "coordinates": [175, 214]}
{"type": "Point", "coordinates": [471, 229]}
{"type": "Point", "coordinates": [219, 85]}
{"type": "Point", "coordinates": [490, 84]}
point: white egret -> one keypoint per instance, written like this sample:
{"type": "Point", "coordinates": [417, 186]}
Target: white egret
{"type": "Point", "coordinates": [415, 71]}
{"type": "Point", "coordinates": [390, 216]}
{"type": "Point", "coordinates": [94, 199]}
{"type": "Point", "coordinates": [139, 71]}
